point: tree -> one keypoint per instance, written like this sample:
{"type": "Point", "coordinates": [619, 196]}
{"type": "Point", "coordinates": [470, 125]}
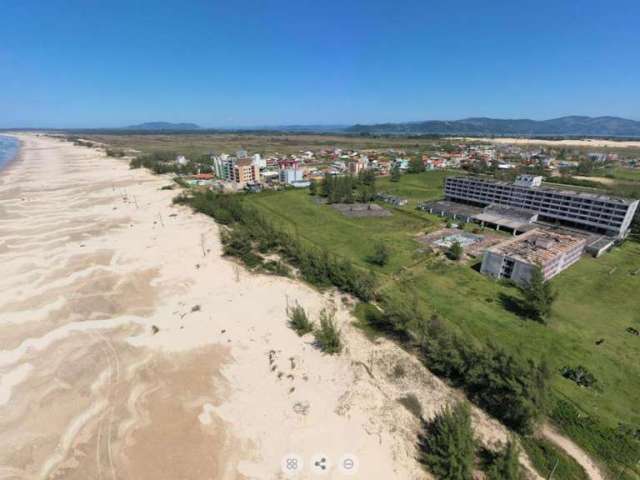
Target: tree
{"type": "Point", "coordinates": [455, 251]}
{"type": "Point", "coordinates": [447, 445]}
{"type": "Point", "coordinates": [504, 464]}
{"type": "Point", "coordinates": [313, 187]}
{"type": "Point", "coordinates": [415, 166]}
{"type": "Point", "coordinates": [395, 173]}
{"type": "Point", "coordinates": [538, 296]}
{"type": "Point", "coordinates": [380, 255]}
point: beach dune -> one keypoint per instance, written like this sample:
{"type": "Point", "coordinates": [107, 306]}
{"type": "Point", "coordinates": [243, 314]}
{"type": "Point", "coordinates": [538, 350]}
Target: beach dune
{"type": "Point", "coordinates": [130, 348]}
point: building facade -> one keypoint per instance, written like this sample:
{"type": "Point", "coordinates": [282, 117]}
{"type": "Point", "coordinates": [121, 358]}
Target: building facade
{"type": "Point", "coordinates": [245, 172]}
{"type": "Point", "coordinates": [588, 211]}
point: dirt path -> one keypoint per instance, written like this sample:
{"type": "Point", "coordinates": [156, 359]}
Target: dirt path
{"type": "Point", "coordinates": [574, 451]}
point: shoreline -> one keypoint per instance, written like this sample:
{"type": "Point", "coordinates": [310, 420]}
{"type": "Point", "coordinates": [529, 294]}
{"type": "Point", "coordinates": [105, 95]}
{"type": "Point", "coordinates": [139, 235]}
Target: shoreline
{"type": "Point", "coordinates": [16, 156]}
{"type": "Point", "coordinates": [122, 320]}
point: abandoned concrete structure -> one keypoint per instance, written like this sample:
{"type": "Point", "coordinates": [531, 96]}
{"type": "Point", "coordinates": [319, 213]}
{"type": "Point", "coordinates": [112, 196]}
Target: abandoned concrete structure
{"type": "Point", "coordinates": [593, 212]}
{"type": "Point", "coordinates": [516, 258]}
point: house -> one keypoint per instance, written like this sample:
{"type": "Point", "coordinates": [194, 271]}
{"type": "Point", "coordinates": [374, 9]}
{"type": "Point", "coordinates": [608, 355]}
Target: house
{"type": "Point", "coordinates": [182, 160]}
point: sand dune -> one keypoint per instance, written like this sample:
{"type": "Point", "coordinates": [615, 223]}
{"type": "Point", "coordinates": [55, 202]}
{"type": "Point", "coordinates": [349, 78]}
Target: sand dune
{"type": "Point", "coordinates": [94, 257]}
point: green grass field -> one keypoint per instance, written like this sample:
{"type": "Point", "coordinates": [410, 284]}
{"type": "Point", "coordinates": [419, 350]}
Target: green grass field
{"type": "Point", "coordinates": [598, 298]}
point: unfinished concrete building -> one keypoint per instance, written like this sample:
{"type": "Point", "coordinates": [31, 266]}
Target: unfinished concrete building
{"type": "Point", "coordinates": [593, 212]}
{"type": "Point", "coordinates": [517, 257]}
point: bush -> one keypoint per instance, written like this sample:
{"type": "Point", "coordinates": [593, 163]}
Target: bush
{"type": "Point", "coordinates": [503, 464]}
{"type": "Point", "coordinates": [455, 251]}
{"type": "Point", "coordinates": [513, 390]}
{"type": "Point", "coordinates": [579, 375]}
{"type": "Point", "coordinates": [298, 320]}
{"type": "Point", "coordinates": [328, 335]}
{"type": "Point", "coordinates": [446, 444]}
{"type": "Point", "coordinates": [380, 255]}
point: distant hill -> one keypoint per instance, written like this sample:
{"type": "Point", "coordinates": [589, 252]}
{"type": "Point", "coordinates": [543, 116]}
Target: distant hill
{"type": "Point", "coordinates": [163, 126]}
{"type": "Point", "coordinates": [569, 126]}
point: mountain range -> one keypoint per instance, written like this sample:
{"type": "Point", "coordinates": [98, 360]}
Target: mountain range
{"type": "Point", "coordinates": [571, 125]}
{"type": "Point", "coordinates": [163, 126]}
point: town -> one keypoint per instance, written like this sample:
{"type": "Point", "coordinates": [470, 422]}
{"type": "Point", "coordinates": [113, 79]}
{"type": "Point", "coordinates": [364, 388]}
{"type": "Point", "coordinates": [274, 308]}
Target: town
{"type": "Point", "coordinates": [489, 185]}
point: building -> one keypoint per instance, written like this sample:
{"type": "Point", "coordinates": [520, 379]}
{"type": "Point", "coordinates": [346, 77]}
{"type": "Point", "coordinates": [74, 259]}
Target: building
{"type": "Point", "coordinates": [594, 212]}
{"type": "Point", "coordinates": [181, 160]}
{"type": "Point", "coordinates": [245, 172]}
{"type": "Point", "coordinates": [516, 258]}
{"type": "Point", "coordinates": [223, 166]}
{"type": "Point", "coordinates": [291, 175]}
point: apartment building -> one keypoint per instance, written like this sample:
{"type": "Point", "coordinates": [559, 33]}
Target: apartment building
{"type": "Point", "coordinates": [245, 172]}
{"type": "Point", "coordinates": [516, 258]}
{"type": "Point", "coordinates": [588, 211]}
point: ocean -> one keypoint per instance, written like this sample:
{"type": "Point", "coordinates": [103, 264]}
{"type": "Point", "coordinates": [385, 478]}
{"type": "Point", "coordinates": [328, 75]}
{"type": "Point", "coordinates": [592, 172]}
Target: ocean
{"type": "Point", "coordinates": [8, 149]}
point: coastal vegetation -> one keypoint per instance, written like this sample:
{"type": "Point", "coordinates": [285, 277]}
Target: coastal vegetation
{"type": "Point", "coordinates": [447, 445]}
{"type": "Point", "coordinates": [327, 334]}
{"type": "Point", "coordinates": [298, 320]}
{"type": "Point", "coordinates": [455, 319]}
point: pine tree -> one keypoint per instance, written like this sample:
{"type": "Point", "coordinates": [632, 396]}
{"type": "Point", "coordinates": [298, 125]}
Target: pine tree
{"type": "Point", "coordinates": [538, 296]}
{"type": "Point", "coordinates": [447, 445]}
{"type": "Point", "coordinates": [395, 173]}
{"type": "Point", "coordinates": [505, 464]}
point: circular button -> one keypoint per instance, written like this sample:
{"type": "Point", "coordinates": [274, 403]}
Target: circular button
{"type": "Point", "coordinates": [348, 464]}
{"type": "Point", "coordinates": [291, 464]}
{"type": "Point", "coordinates": [320, 464]}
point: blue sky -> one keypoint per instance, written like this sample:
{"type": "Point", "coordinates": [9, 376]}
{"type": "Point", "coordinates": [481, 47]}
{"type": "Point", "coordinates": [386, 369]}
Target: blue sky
{"type": "Point", "coordinates": [98, 63]}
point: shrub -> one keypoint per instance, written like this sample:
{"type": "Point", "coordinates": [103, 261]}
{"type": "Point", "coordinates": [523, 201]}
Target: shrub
{"type": "Point", "coordinates": [455, 251]}
{"type": "Point", "coordinates": [298, 320]}
{"type": "Point", "coordinates": [380, 255]}
{"type": "Point", "coordinates": [327, 334]}
{"type": "Point", "coordinates": [579, 375]}
{"type": "Point", "coordinates": [446, 444]}
{"type": "Point", "coordinates": [503, 464]}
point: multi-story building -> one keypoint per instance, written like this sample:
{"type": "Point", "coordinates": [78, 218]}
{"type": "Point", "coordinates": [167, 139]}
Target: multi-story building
{"type": "Point", "coordinates": [587, 211]}
{"type": "Point", "coordinates": [245, 172]}
{"type": "Point", "coordinates": [517, 257]}
{"type": "Point", "coordinates": [223, 166]}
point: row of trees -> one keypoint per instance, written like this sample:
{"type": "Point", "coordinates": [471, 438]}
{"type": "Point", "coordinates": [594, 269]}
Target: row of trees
{"type": "Point", "coordinates": [164, 162]}
{"type": "Point", "coordinates": [347, 188]}
{"type": "Point", "coordinates": [513, 390]}
{"type": "Point", "coordinates": [448, 449]}
{"type": "Point", "coordinates": [252, 234]}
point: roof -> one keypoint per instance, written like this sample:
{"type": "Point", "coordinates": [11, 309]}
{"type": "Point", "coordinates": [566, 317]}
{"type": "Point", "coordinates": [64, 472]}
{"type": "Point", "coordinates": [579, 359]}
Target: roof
{"type": "Point", "coordinates": [244, 162]}
{"type": "Point", "coordinates": [538, 246]}
{"type": "Point", "coordinates": [553, 189]}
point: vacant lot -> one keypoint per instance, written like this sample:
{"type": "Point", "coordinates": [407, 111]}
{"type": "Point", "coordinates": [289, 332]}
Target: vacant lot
{"type": "Point", "coordinates": [264, 143]}
{"type": "Point", "coordinates": [598, 298]}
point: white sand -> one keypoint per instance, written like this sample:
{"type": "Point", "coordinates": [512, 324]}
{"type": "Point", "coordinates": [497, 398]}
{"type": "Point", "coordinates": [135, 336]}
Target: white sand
{"type": "Point", "coordinates": [93, 255]}
{"type": "Point", "coordinates": [588, 142]}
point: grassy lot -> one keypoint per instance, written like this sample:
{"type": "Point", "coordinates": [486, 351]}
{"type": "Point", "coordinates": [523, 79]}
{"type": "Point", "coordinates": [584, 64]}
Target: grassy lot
{"type": "Point", "coordinates": [265, 143]}
{"type": "Point", "coordinates": [598, 298]}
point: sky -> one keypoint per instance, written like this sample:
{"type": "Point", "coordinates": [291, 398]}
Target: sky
{"type": "Point", "coordinates": [239, 63]}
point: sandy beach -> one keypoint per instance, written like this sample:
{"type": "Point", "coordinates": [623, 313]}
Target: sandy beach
{"type": "Point", "coordinates": [130, 348]}
{"type": "Point", "coordinates": [588, 142]}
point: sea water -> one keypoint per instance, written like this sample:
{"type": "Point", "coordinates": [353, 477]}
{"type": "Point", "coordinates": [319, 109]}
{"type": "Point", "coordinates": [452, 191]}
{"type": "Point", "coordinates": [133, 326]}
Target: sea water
{"type": "Point", "coordinates": [8, 150]}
